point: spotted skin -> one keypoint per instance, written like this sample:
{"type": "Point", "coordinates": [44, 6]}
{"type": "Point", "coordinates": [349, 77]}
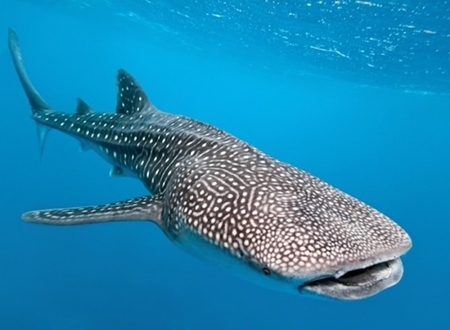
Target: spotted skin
{"type": "Point", "coordinates": [220, 198]}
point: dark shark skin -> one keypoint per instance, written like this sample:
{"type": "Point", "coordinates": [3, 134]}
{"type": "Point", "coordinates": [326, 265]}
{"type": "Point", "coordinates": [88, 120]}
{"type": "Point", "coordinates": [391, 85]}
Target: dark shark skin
{"type": "Point", "coordinates": [221, 199]}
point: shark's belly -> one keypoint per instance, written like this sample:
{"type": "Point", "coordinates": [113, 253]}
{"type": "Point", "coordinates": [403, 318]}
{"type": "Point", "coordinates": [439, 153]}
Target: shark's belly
{"type": "Point", "coordinates": [200, 247]}
{"type": "Point", "coordinates": [121, 160]}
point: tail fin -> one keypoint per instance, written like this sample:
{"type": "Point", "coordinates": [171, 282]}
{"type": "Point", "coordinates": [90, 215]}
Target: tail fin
{"type": "Point", "coordinates": [36, 101]}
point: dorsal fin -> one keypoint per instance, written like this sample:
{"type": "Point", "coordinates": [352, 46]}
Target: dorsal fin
{"type": "Point", "coordinates": [131, 98]}
{"type": "Point", "coordinates": [83, 108]}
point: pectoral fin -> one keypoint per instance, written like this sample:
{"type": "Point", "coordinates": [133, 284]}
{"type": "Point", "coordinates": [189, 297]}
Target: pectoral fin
{"type": "Point", "coordinates": [143, 208]}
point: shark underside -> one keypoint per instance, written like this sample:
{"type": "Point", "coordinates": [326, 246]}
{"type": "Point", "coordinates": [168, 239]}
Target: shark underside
{"type": "Point", "coordinates": [223, 200]}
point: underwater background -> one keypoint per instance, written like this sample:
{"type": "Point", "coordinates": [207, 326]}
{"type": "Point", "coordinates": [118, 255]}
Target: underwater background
{"type": "Point", "coordinates": [355, 92]}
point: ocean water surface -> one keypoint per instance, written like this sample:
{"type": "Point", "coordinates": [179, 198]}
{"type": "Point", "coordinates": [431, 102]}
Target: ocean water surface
{"type": "Point", "coordinates": [355, 92]}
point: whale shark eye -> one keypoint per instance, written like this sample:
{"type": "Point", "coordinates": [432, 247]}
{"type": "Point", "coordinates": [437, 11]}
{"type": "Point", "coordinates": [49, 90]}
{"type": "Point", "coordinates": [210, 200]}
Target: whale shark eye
{"type": "Point", "coordinates": [266, 271]}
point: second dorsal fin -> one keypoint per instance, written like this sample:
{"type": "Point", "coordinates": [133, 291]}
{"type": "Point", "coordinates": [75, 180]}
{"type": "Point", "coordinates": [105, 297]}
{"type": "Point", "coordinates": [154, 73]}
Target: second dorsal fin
{"type": "Point", "coordinates": [83, 108]}
{"type": "Point", "coordinates": [131, 98]}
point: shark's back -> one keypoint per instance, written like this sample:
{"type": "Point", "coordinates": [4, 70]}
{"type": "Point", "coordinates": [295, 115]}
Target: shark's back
{"type": "Point", "coordinates": [142, 141]}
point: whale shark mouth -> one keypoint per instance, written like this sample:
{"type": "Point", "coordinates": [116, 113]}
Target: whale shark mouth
{"type": "Point", "coordinates": [358, 283]}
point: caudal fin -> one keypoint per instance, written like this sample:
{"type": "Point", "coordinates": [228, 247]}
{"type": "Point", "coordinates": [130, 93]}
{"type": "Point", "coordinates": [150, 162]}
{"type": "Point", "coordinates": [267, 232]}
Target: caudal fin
{"type": "Point", "coordinates": [36, 101]}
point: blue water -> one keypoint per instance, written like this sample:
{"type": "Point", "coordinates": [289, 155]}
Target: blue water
{"type": "Point", "coordinates": [355, 92]}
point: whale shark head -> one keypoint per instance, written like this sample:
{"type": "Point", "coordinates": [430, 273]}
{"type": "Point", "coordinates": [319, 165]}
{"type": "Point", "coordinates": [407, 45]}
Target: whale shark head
{"type": "Point", "coordinates": [294, 232]}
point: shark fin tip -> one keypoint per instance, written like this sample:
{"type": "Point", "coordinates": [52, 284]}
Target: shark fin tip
{"type": "Point", "coordinates": [42, 137]}
{"type": "Point", "coordinates": [116, 171]}
{"type": "Point", "coordinates": [84, 146]}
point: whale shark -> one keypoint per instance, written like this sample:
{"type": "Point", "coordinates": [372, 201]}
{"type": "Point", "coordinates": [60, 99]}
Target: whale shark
{"type": "Point", "coordinates": [223, 200]}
